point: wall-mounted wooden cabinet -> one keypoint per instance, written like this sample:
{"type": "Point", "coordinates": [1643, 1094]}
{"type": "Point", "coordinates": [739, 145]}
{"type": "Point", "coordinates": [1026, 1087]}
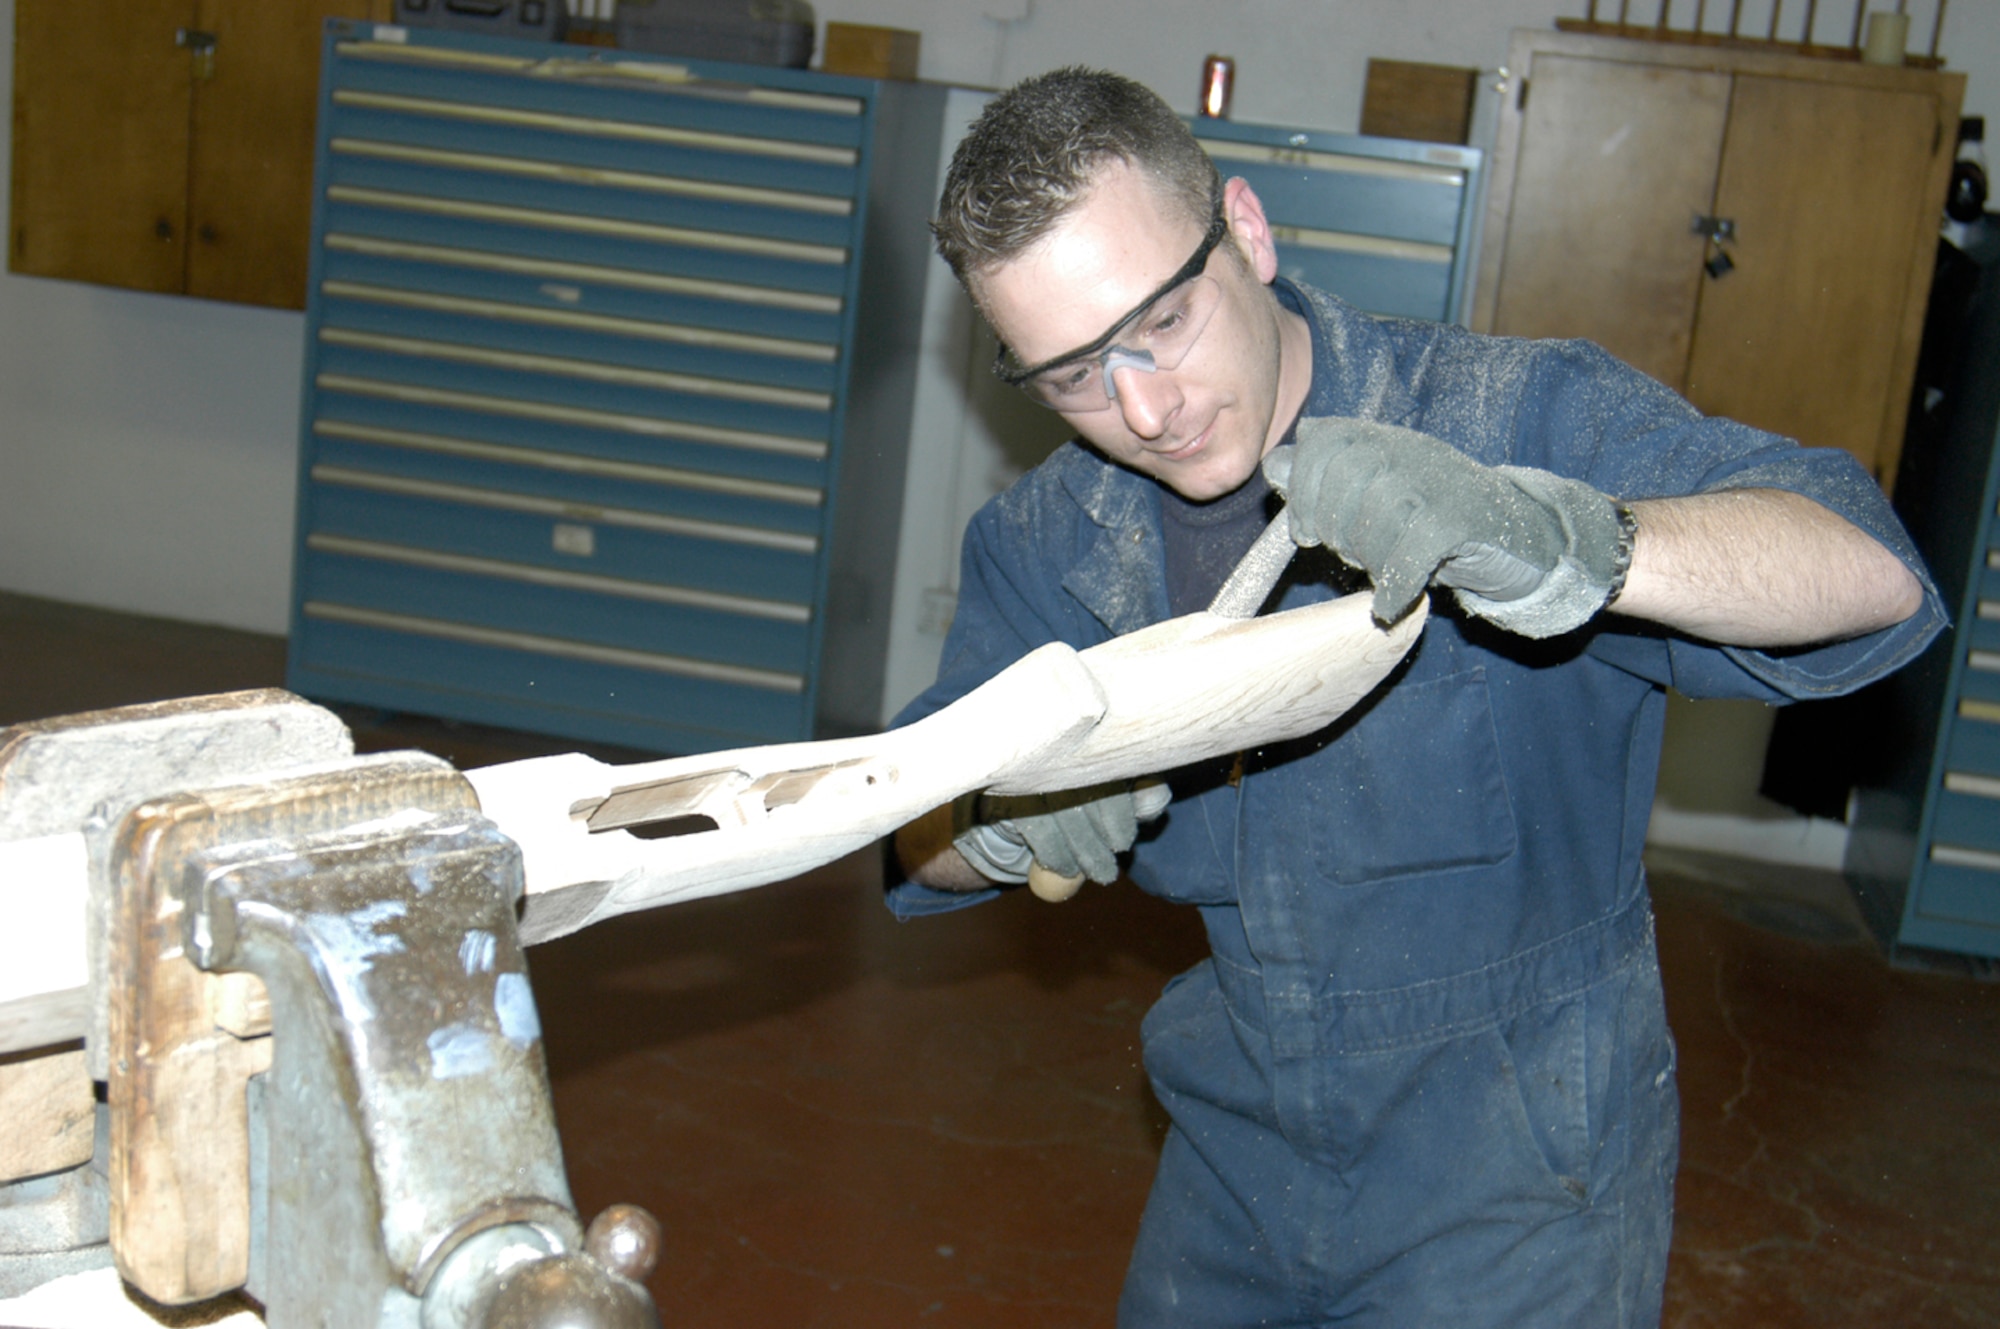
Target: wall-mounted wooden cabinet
{"type": "Point", "coordinates": [1824, 178]}
{"type": "Point", "coordinates": [167, 145]}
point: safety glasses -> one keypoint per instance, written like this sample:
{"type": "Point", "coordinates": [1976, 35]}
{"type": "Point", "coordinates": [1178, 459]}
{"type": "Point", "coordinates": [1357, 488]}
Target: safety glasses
{"type": "Point", "coordinates": [1156, 335]}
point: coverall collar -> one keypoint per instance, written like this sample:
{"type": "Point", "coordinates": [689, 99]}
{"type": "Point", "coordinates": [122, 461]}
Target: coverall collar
{"type": "Point", "coordinates": [1121, 578]}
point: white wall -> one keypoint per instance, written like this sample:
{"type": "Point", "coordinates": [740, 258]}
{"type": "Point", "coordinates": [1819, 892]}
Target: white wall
{"type": "Point", "coordinates": [147, 443]}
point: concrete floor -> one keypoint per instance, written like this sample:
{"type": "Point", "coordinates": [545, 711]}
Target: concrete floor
{"type": "Point", "coordinates": [845, 1121]}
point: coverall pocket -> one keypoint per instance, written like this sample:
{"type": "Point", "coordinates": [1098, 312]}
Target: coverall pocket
{"type": "Point", "coordinates": [1544, 1088]}
{"type": "Point", "coordinates": [1588, 1079]}
{"type": "Point", "coordinates": [1416, 786]}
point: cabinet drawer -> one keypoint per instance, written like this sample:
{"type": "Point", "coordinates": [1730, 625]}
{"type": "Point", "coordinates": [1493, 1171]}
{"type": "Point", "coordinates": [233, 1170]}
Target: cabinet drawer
{"type": "Point", "coordinates": [442, 327]}
{"type": "Point", "coordinates": [503, 128]}
{"type": "Point", "coordinates": [1968, 814]}
{"type": "Point", "coordinates": [469, 402]}
{"type": "Point", "coordinates": [603, 204]}
{"type": "Point", "coordinates": [1356, 196]}
{"type": "Point", "coordinates": [1385, 279]}
{"type": "Point", "coordinates": [1986, 572]}
{"type": "Point", "coordinates": [759, 642]}
{"type": "Point", "coordinates": [533, 530]}
{"type": "Point", "coordinates": [1378, 222]}
{"type": "Point", "coordinates": [377, 273]}
{"type": "Point", "coordinates": [1972, 716]}
{"type": "Point", "coordinates": [1981, 642]}
{"type": "Point", "coordinates": [614, 89]}
{"type": "Point", "coordinates": [753, 510]}
{"type": "Point", "coordinates": [431, 666]}
{"type": "Point", "coordinates": [355, 216]}
{"type": "Point", "coordinates": [416, 415]}
{"type": "Point", "coordinates": [499, 380]}
{"type": "Point", "coordinates": [1972, 742]}
{"type": "Point", "coordinates": [1960, 887]}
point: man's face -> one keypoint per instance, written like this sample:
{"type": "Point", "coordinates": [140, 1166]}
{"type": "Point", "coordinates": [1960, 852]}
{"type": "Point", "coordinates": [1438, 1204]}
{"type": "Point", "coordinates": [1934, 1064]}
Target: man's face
{"type": "Point", "coordinates": [1201, 427]}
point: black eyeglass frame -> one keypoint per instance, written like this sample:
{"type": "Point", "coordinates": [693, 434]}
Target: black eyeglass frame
{"type": "Point", "coordinates": [1218, 227]}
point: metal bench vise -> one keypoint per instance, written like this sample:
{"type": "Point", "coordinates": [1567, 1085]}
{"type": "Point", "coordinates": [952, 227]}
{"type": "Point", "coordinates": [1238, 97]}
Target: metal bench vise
{"type": "Point", "coordinates": [309, 1007]}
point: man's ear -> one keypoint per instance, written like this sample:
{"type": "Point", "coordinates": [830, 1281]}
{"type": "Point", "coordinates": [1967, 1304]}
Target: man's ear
{"type": "Point", "coordinates": [1250, 229]}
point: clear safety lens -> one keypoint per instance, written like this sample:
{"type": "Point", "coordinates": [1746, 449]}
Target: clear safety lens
{"type": "Point", "coordinates": [1157, 337]}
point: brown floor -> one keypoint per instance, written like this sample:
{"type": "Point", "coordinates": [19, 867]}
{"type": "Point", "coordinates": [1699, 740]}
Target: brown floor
{"type": "Point", "coordinates": [844, 1121]}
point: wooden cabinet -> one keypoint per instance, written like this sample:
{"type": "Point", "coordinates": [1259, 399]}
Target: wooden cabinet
{"type": "Point", "coordinates": [1829, 177]}
{"type": "Point", "coordinates": [167, 145]}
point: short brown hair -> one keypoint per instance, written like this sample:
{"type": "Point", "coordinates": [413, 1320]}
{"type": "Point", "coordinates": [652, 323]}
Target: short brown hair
{"type": "Point", "coordinates": [1034, 151]}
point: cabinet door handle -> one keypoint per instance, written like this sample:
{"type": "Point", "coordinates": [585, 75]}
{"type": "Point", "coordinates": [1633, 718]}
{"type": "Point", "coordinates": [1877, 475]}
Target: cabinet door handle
{"type": "Point", "coordinates": [200, 45]}
{"type": "Point", "coordinates": [1718, 231]}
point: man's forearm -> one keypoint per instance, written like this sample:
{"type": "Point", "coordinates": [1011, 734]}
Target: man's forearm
{"type": "Point", "coordinates": [1761, 567]}
{"type": "Point", "coordinates": [929, 858]}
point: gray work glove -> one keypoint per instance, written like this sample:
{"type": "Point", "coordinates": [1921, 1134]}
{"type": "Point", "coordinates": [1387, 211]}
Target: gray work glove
{"type": "Point", "coordinates": [1532, 552]}
{"type": "Point", "coordinates": [1071, 835]}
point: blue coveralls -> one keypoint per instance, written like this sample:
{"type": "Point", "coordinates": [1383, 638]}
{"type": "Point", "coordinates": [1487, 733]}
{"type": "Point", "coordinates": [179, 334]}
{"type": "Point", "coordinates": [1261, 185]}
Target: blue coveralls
{"type": "Point", "coordinates": [1425, 1076]}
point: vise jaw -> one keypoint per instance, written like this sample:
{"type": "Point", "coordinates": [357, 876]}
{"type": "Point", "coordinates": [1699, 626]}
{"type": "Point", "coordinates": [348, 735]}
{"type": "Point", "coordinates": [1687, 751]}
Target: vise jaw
{"type": "Point", "coordinates": [386, 1154]}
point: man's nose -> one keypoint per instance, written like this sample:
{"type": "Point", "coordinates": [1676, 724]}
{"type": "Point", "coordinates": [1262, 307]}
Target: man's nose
{"type": "Point", "coordinates": [1147, 401]}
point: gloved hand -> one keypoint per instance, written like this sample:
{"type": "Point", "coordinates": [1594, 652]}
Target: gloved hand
{"type": "Point", "coordinates": [1068, 836]}
{"type": "Point", "coordinates": [1535, 553]}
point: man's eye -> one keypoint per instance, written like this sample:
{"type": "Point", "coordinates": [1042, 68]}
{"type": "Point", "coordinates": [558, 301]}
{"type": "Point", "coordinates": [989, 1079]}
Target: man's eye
{"type": "Point", "coordinates": [1069, 382]}
{"type": "Point", "coordinates": [1166, 322]}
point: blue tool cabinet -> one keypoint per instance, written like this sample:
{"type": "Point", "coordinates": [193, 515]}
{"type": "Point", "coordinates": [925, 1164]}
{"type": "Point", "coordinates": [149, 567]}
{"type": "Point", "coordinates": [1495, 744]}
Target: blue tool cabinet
{"type": "Point", "coordinates": [1386, 224]}
{"type": "Point", "coordinates": [607, 388]}
{"type": "Point", "coordinates": [1924, 846]}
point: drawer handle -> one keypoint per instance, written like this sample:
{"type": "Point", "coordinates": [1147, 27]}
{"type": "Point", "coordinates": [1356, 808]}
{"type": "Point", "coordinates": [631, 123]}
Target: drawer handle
{"type": "Point", "coordinates": [570, 463]}
{"type": "Point", "coordinates": [744, 606]}
{"type": "Point", "coordinates": [588, 417]}
{"type": "Point", "coordinates": [481, 260]}
{"type": "Point", "coordinates": [1958, 856]}
{"type": "Point", "coordinates": [789, 542]}
{"type": "Point", "coordinates": [1977, 786]}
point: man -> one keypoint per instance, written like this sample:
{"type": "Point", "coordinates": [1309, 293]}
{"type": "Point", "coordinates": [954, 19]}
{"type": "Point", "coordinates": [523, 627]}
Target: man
{"type": "Point", "coordinates": [1425, 1076]}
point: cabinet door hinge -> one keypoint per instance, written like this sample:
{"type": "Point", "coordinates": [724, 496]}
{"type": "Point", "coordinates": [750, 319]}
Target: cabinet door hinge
{"type": "Point", "coordinates": [1521, 97]}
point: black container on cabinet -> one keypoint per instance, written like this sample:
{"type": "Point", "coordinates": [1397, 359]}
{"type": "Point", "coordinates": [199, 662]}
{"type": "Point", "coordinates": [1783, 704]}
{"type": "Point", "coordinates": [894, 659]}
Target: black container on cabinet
{"type": "Point", "coordinates": [761, 32]}
{"type": "Point", "coordinates": [544, 19]}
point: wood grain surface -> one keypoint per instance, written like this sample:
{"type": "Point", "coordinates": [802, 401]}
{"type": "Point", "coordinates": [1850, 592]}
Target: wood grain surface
{"type": "Point", "coordinates": [1191, 688]}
